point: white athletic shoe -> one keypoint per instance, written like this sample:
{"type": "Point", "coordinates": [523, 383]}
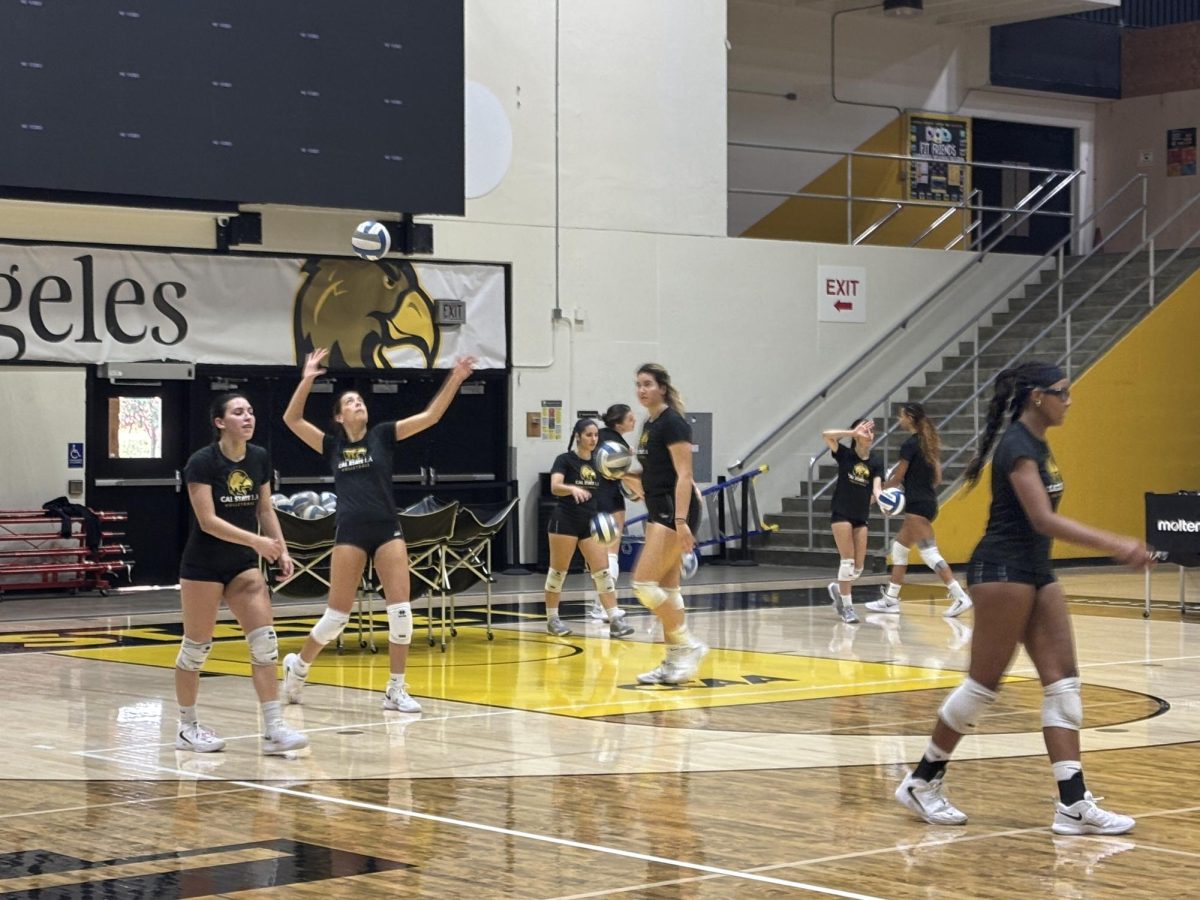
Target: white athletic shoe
{"type": "Point", "coordinates": [282, 738]}
{"type": "Point", "coordinates": [683, 661]}
{"type": "Point", "coordinates": [958, 606]}
{"type": "Point", "coordinates": [844, 609]}
{"type": "Point", "coordinates": [961, 634]}
{"type": "Point", "coordinates": [928, 800]}
{"type": "Point", "coordinates": [397, 698]}
{"type": "Point", "coordinates": [556, 627]}
{"type": "Point", "coordinates": [618, 627]}
{"type": "Point", "coordinates": [195, 737]}
{"type": "Point", "coordinates": [293, 681]}
{"type": "Point", "coordinates": [657, 675]}
{"type": "Point", "coordinates": [1085, 817]}
{"type": "Point", "coordinates": [596, 611]}
{"type": "Point", "coordinates": [884, 604]}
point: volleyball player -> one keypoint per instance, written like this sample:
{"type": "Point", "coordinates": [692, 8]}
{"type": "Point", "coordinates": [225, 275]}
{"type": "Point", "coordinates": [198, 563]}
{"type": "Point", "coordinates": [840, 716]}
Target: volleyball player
{"type": "Point", "coordinates": [575, 482]}
{"type": "Point", "coordinates": [367, 527]}
{"type": "Point", "coordinates": [860, 477]}
{"type": "Point", "coordinates": [920, 472]}
{"type": "Point", "coordinates": [1018, 601]}
{"type": "Point", "coordinates": [229, 486]}
{"type": "Point", "coordinates": [673, 510]}
{"type": "Point", "coordinates": [619, 420]}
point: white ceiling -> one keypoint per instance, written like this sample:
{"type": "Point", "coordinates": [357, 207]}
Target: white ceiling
{"type": "Point", "coordinates": [961, 13]}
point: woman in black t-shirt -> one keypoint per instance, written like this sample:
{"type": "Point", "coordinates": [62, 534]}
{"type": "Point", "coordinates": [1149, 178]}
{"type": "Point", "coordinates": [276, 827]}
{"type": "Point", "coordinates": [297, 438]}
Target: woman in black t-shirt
{"type": "Point", "coordinates": [232, 525]}
{"type": "Point", "coordinates": [619, 420]}
{"type": "Point", "coordinates": [1018, 601]}
{"type": "Point", "coordinates": [360, 459]}
{"type": "Point", "coordinates": [575, 482]}
{"type": "Point", "coordinates": [920, 472]}
{"type": "Point", "coordinates": [673, 512]}
{"type": "Point", "coordinates": [860, 474]}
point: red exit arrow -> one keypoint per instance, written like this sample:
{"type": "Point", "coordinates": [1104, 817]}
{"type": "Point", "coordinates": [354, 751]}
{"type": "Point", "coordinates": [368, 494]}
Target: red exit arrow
{"type": "Point", "coordinates": [843, 304]}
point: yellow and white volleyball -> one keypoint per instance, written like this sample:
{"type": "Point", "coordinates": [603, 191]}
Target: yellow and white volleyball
{"type": "Point", "coordinates": [371, 240]}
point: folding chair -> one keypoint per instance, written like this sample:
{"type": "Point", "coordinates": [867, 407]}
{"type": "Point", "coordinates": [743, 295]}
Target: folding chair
{"type": "Point", "coordinates": [427, 528]}
{"type": "Point", "coordinates": [310, 545]}
{"type": "Point", "coordinates": [468, 558]}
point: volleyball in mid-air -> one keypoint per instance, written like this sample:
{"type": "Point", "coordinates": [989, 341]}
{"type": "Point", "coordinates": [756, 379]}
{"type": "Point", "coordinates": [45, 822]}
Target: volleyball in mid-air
{"type": "Point", "coordinates": [604, 528]}
{"type": "Point", "coordinates": [688, 564]}
{"type": "Point", "coordinates": [613, 459]}
{"type": "Point", "coordinates": [371, 240]}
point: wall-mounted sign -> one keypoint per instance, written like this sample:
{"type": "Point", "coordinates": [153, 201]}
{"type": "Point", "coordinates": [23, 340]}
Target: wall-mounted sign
{"type": "Point", "coordinates": [944, 145]}
{"type": "Point", "coordinates": [1181, 152]}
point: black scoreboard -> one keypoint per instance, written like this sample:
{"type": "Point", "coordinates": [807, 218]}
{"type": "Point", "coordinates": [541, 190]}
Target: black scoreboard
{"type": "Point", "coordinates": [334, 103]}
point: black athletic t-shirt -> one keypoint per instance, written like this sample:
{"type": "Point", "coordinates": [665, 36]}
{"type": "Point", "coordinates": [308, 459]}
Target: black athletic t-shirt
{"type": "Point", "coordinates": [610, 490]}
{"type": "Point", "coordinates": [852, 495]}
{"type": "Point", "coordinates": [577, 472]}
{"type": "Point", "coordinates": [1010, 538]}
{"type": "Point", "coordinates": [918, 478]}
{"type": "Point", "coordinates": [362, 474]}
{"type": "Point", "coordinates": [658, 469]}
{"type": "Point", "coordinates": [235, 489]}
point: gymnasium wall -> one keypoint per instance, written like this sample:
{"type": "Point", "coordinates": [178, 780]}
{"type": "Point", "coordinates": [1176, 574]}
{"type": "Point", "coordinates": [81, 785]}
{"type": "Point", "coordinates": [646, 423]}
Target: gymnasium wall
{"type": "Point", "coordinates": [891, 65]}
{"type": "Point", "coordinates": [1131, 430]}
{"type": "Point", "coordinates": [40, 420]}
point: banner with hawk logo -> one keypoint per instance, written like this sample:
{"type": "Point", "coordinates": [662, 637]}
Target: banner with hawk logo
{"type": "Point", "coordinates": [85, 305]}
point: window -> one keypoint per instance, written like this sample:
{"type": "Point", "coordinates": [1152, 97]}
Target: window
{"type": "Point", "coordinates": [135, 428]}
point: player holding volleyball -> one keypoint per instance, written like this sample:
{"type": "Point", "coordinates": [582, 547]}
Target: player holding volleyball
{"type": "Point", "coordinates": [575, 482]}
{"type": "Point", "coordinates": [1018, 601]}
{"type": "Point", "coordinates": [860, 474]}
{"type": "Point", "coordinates": [920, 471]}
{"type": "Point", "coordinates": [229, 486]}
{"type": "Point", "coordinates": [673, 511]}
{"type": "Point", "coordinates": [367, 528]}
{"type": "Point", "coordinates": [619, 420]}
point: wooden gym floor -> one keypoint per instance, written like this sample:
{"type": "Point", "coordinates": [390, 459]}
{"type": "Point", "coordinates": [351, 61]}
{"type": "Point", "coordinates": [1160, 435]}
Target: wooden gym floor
{"type": "Point", "coordinates": [540, 768]}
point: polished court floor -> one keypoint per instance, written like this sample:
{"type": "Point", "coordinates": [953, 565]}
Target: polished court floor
{"type": "Point", "coordinates": [541, 769]}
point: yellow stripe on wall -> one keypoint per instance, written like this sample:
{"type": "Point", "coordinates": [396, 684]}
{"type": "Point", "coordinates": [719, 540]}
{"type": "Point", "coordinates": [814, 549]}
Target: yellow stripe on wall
{"type": "Point", "coordinates": [1133, 428]}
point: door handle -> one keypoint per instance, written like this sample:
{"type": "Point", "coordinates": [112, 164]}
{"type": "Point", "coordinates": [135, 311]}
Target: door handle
{"type": "Point", "coordinates": [178, 482]}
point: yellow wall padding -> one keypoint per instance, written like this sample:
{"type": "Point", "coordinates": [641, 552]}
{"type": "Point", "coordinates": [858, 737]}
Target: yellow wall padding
{"type": "Point", "coordinates": [806, 219]}
{"type": "Point", "coordinates": [1133, 428]}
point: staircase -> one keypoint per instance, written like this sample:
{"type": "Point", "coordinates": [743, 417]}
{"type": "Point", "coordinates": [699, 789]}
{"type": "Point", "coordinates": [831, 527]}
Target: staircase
{"type": "Point", "coordinates": [1006, 335]}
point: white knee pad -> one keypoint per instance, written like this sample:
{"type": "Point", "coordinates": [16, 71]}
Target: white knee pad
{"type": "Point", "coordinates": [614, 568]}
{"type": "Point", "coordinates": [400, 626]}
{"type": "Point", "coordinates": [846, 570]}
{"type": "Point", "coordinates": [604, 582]}
{"type": "Point", "coordinates": [899, 554]}
{"type": "Point", "coordinates": [330, 625]}
{"type": "Point", "coordinates": [1062, 705]}
{"type": "Point", "coordinates": [966, 703]}
{"type": "Point", "coordinates": [931, 557]}
{"type": "Point", "coordinates": [649, 594]}
{"type": "Point", "coordinates": [674, 598]}
{"type": "Point", "coordinates": [554, 581]}
{"type": "Point", "coordinates": [264, 646]}
{"type": "Point", "coordinates": [192, 655]}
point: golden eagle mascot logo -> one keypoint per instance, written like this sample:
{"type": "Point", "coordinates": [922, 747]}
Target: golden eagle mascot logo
{"type": "Point", "coordinates": [239, 483]}
{"type": "Point", "coordinates": [371, 315]}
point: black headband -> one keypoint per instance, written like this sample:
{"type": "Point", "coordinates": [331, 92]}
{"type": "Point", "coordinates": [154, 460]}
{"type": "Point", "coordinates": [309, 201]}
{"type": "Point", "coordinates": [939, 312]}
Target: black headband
{"type": "Point", "coordinates": [1043, 375]}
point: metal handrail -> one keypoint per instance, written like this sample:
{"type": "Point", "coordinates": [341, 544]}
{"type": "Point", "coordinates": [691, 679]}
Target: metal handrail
{"type": "Point", "coordinates": [885, 400]}
{"type": "Point", "coordinates": [877, 224]}
{"type": "Point", "coordinates": [858, 198]}
{"type": "Point", "coordinates": [1071, 344]}
{"type": "Point", "coordinates": [894, 335]}
{"type": "Point", "coordinates": [866, 154]}
{"type": "Point", "coordinates": [960, 207]}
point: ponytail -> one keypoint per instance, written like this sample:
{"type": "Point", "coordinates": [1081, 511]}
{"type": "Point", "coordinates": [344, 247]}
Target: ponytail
{"type": "Point", "coordinates": [928, 439]}
{"type": "Point", "coordinates": [615, 415]}
{"type": "Point", "coordinates": [1012, 389]}
{"type": "Point", "coordinates": [581, 426]}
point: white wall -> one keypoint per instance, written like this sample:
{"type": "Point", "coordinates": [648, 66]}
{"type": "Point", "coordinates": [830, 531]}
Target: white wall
{"type": "Point", "coordinates": [43, 411]}
{"type": "Point", "coordinates": [908, 64]}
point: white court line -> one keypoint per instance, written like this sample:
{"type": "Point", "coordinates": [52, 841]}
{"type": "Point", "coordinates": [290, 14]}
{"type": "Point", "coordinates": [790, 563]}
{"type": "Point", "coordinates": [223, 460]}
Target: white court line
{"type": "Point", "coordinates": [714, 871]}
{"type": "Point", "coordinates": [87, 806]}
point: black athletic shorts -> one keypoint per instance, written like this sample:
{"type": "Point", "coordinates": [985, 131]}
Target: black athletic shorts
{"type": "Point", "coordinates": [221, 571]}
{"type": "Point", "coordinates": [855, 523]}
{"type": "Point", "coordinates": [928, 510]}
{"type": "Point", "coordinates": [367, 536]}
{"type": "Point", "coordinates": [660, 508]}
{"type": "Point", "coordinates": [571, 523]}
{"type": "Point", "coordinates": [981, 571]}
{"type": "Point", "coordinates": [610, 502]}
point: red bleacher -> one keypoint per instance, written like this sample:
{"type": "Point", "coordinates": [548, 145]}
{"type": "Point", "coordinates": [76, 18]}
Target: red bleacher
{"type": "Point", "coordinates": [28, 535]}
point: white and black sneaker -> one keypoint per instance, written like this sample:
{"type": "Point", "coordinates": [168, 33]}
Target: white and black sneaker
{"type": "Point", "coordinates": [885, 604]}
{"type": "Point", "coordinates": [398, 699]}
{"type": "Point", "coordinates": [958, 606]}
{"type": "Point", "coordinates": [928, 800]}
{"type": "Point", "coordinates": [1085, 817]}
{"type": "Point", "coordinates": [843, 606]}
{"type": "Point", "coordinates": [293, 681]}
{"type": "Point", "coordinates": [195, 737]}
{"type": "Point", "coordinates": [281, 739]}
